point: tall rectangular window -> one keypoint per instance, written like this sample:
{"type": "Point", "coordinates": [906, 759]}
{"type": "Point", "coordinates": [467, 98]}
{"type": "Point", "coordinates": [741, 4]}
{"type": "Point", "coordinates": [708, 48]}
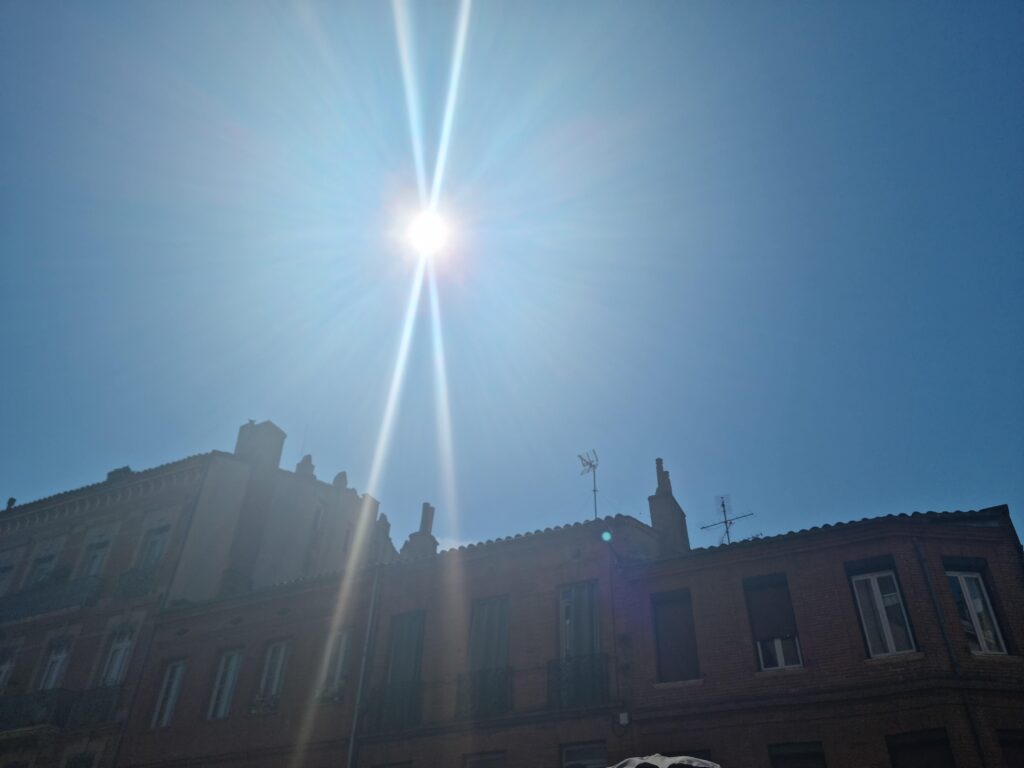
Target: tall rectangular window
{"type": "Point", "coordinates": [488, 688]}
{"type": "Point", "coordinates": [224, 685]}
{"type": "Point", "coordinates": [116, 662]}
{"type": "Point", "coordinates": [801, 755]}
{"type": "Point", "coordinates": [153, 546]}
{"type": "Point", "coordinates": [94, 559]}
{"type": "Point", "coordinates": [881, 613]}
{"type": "Point", "coordinates": [6, 577]}
{"type": "Point", "coordinates": [6, 667]}
{"type": "Point", "coordinates": [772, 622]}
{"type": "Point", "coordinates": [405, 652]}
{"type": "Point", "coordinates": [579, 635]}
{"type": "Point", "coordinates": [41, 569]}
{"type": "Point", "coordinates": [56, 662]}
{"type": "Point", "coordinates": [337, 665]}
{"type": "Point", "coordinates": [167, 699]}
{"type": "Point", "coordinates": [273, 676]}
{"type": "Point", "coordinates": [975, 612]}
{"type": "Point", "coordinates": [675, 640]}
{"type": "Point", "coordinates": [920, 749]}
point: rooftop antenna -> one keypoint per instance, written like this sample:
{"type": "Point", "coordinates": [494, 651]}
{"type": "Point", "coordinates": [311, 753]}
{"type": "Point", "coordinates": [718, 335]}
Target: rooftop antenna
{"type": "Point", "coordinates": [724, 504]}
{"type": "Point", "coordinates": [589, 462]}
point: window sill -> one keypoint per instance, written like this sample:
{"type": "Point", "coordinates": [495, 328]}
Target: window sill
{"type": "Point", "coordinates": [896, 658]}
{"type": "Point", "coordinates": [780, 671]}
{"type": "Point", "coordinates": [1007, 657]}
{"type": "Point", "coordinates": [669, 685]}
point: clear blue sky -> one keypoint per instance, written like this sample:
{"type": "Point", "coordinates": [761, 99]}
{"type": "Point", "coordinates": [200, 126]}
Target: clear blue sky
{"type": "Point", "coordinates": [779, 244]}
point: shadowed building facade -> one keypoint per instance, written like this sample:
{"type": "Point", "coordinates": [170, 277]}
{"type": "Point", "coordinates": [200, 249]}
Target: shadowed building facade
{"type": "Point", "coordinates": [887, 642]}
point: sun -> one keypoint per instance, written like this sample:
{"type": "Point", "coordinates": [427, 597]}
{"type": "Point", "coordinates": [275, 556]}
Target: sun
{"type": "Point", "coordinates": [428, 233]}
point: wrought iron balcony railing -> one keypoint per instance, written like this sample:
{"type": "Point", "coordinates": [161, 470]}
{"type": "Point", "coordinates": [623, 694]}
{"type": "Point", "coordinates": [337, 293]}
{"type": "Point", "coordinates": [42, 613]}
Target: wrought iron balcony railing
{"type": "Point", "coordinates": [580, 681]}
{"type": "Point", "coordinates": [49, 597]}
{"type": "Point", "coordinates": [394, 707]}
{"type": "Point", "coordinates": [484, 693]}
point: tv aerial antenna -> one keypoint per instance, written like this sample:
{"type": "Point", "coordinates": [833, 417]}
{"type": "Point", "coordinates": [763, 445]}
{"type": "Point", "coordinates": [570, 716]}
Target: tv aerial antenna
{"type": "Point", "coordinates": [589, 461]}
{"type": "Point", "coordinates": [724, 504]}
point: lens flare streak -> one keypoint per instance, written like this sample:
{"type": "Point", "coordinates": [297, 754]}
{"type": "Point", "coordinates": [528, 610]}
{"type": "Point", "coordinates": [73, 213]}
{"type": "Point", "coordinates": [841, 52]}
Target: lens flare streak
{"type": "Point", "coordinates": [412, 96]}
{"type": "Point", "coordinates": [442, 404]}
{"type": "Point", "coordinates": [455, 76]}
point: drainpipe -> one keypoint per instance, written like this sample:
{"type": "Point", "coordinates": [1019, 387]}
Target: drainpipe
{"type": "Point", "coordinates": [971, 715]}
{"type": "Point", "coordinates": [367, 642]}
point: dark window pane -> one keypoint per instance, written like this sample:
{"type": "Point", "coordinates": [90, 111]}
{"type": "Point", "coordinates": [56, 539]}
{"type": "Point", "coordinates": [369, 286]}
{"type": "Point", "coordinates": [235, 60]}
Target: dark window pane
{"type": "Point", "coordinates": [803, 755]}
{"type": "Point", "coordinates": [674, 637]}
{"type": "Point", "coordinates": [920, 749]}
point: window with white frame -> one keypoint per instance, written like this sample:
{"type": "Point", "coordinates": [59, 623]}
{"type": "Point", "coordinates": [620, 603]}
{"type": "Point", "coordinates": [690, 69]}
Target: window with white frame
{"type": "Point", "coordinates": [167, 699]}
{"type": "Point", "coordinates": [94, 558]}
{"type": "Point", "coordinates": [116, 662]}
{"type": "Point", "coordinates": [975, 612]}
{"type": "Point", "coordinates": [882, 614]}
{"type": "Point", "coordinates": [224, 685]}
{"type": "Point", "coordinates": [56, 662]}
{"type": "Point", "coordinates": [337, 665]}
{"type": "Point", "coordinates": [153, 546]}
{"type": "Point", "coordinates": [273, 676]}
{"type": "Point", "coordinates": [772, 621]}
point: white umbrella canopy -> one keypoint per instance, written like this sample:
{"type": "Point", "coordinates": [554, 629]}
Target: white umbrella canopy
{"type": "Point", "coordinates": [658, 761]}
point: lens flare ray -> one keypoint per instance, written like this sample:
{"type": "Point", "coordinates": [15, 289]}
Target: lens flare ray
{"type": "Point", "coordinates": [454, 78]}
{"type": "Point", "coordinates": [400, 12]}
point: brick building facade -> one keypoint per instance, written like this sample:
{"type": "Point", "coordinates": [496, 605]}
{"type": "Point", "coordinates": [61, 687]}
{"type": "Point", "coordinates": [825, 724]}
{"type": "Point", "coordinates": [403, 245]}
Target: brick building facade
{"type": "Point", "coordinates": [892, 641]}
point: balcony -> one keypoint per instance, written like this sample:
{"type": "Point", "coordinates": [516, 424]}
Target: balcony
{"type": "Point", "coordinates": [136, 583]}
{"type": "Point", "coordinates": [581, 681]}
{"type": "Point", "coordinates": [484, 693]}
{"type": "Point", "coordinates": [59, 708]}
{"type": "Point", "coordinates": [394, 707]}
{"type": "Point", "coordinates": [49, 597]}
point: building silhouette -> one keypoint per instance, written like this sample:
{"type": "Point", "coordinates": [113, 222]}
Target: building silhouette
{"type": "Point", "coordinates": [220, 610]}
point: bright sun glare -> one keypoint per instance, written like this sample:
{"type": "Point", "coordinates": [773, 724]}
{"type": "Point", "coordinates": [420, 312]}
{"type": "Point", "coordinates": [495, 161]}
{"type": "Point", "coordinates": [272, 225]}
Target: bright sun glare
{"type": "Point", "coordinates": [428, 233]}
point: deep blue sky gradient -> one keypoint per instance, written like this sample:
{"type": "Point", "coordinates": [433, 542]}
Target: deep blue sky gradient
{"type": "Point", "coordinates": [779, 244]}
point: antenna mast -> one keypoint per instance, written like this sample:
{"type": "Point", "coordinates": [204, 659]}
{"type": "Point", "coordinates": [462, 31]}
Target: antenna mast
{"type": "Point", "coordinates": [589, 462]}
{"type": "Point", "coordinates": [724, 504]}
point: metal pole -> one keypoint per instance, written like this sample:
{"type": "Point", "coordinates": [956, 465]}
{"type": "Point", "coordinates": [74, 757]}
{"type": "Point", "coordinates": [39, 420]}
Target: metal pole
{"type": "Point", "coordinates": [595, 493]}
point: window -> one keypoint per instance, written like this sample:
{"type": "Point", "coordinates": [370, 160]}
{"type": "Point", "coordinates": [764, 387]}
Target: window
{"type": "Point", "coordinates": [920, 749]}
{"type": "Point", "coordinates": [975, 612]}
{"type": "Point", "coordinates": [579, 622]}
{"type": "Point", "coordinates": [337, 665]}
{"type": "Point", "coordinates": [772, 621]}
{"type": "Point", "coordinates": [487, 689]}
{"type": "Point", "coordinates": [881, 613]}
{"type": "Point", "coordinates": [153, 546]}
{"type": "Point", "coordinates": [590, 755]}
{"type": "Point", "coordinates": [6, 667]}
{"type": "Point", "coordinates": [6, 576]}
{"type": "Point", "coordinates": [118, 651]}
{"type": "Point", "coordinates": [402, 696]}
{"type": "Point", "coordinates": [224, 685]}
{"type": "Point", "coordinates": [675, 641]}
{"type": "Point", "coordinates": [803, 755]}
{"type": "Point", "coordinates": [94, 559]}
{"type": "Point", "coordinates": [488, 760]}
{"type": "Point", "coordinates": [167, 699]}
{"type": "Point", "coordinates": [56, 662]}
{"type": "Point", "coordinates": [41, 569]}
{"type": "Point", "coordinates": [273, 676]}
{"type": "Point", "coordinates": [1012, 745]}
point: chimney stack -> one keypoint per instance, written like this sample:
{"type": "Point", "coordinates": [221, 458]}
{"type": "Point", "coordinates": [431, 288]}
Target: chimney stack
{"type": "Point", "coordinates": [667, 517]}
{"type": "Point", "coordinates": [305, 467]}
{"type": "Point", "coordinates": [260, 444]}
{"type": "Point", "coordinates": [422, 543]}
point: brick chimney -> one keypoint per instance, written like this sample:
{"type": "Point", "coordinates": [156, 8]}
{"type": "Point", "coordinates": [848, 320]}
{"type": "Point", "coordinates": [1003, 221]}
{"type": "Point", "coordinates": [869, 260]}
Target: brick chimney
{"type": "Point", "coordinates": [260, 444]}
{"type": "Point", "coordinates": [422, 543]}
{"type": "Point", "coordinates": [667, 517]}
